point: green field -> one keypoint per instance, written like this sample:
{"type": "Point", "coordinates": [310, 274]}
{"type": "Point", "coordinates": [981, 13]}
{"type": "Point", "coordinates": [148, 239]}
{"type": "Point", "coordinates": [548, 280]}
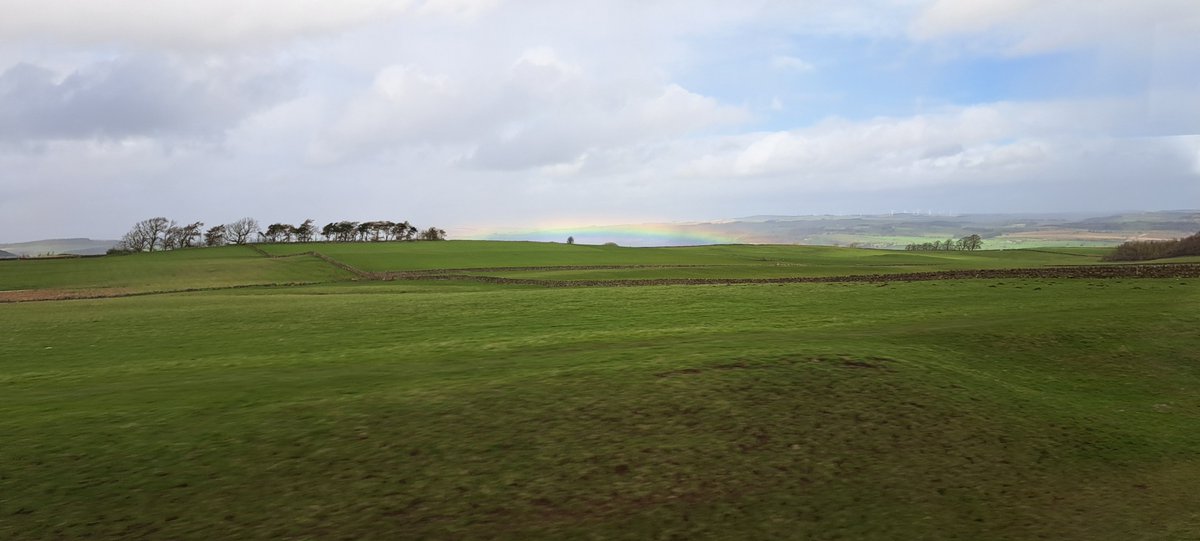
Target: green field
{"type": "Point", "coordinates": [164, 271]}
{"type": "Point", "coordinates": [411, 409]}
{"type": "Point", "coordinates": [769, 259]}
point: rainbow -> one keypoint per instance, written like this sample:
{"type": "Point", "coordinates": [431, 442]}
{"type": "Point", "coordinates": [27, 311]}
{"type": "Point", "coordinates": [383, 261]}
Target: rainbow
{"type": "Point", "coordinates": [624, 235]}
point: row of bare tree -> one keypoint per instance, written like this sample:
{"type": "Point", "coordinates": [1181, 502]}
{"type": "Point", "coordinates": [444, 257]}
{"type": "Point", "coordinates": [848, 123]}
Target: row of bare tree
{"type": "Point", "coordinates": [1141, 250]}
{"type": "Point", "coordinates": [969, 243]}
{"type": "Point", "coordinates": [160, 233]}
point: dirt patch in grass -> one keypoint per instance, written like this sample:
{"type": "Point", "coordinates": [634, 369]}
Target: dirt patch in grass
{"type": "Point", "coordinates": [847, 361]}
{"type": "Point", "coordinates": [27, 295]}
{"type": "Point", "coordinates": [33, 295]}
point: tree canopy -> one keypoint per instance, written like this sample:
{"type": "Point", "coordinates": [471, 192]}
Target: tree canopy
{"type": "Point", "coordinates": [159, 233]}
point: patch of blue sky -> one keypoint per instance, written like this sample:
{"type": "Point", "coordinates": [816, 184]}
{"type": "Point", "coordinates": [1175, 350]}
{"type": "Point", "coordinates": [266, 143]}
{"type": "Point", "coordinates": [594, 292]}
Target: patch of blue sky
{"type": "Point", "coordinates": [796, 82]}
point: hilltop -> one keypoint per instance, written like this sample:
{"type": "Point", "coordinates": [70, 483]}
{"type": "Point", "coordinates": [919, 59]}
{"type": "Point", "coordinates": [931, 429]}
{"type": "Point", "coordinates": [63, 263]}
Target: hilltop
{"type": "Point", "coordinates": [74, 246]}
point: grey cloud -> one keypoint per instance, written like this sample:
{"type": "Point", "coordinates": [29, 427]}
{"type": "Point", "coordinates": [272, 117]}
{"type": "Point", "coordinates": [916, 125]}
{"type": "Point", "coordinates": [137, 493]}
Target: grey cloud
{"type": "Point", "coordinates": [134, 96]}
{"type": "Point", "coordinates": [1023, 28]}
{"type": "Point", "coordinates": [943, 151]}
{"type": "Point", "coordinates": [187, 25]}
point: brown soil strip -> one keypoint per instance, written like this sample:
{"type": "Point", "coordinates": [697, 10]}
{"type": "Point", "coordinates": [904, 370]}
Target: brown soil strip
{"type": "Point", "coordinates": [26, 295]}
{"type": "Point", "coordinates": [434, 272]}
{"type": "Point", "coordinates": [32, 295]}
{"type": "Point", "coordinates": [1190, 270]}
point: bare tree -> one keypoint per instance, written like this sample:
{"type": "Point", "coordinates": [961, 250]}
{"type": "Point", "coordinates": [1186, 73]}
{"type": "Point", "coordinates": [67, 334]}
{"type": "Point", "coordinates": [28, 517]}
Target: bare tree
{"type": "Point", "coordinates": [433, 233]}
{"type": "Point", "coordinates": [305, 231]}
{"type": "Point", "coordinates": [145, 235]}
{"type": "Point", "coordinates": [340, 231]}
{"type": "Point", "coordinates": [363, 230]}
{"type": "Point", "coordinates": [239, 232]}
{"type": "Point", "coordinates": [191, 234]}
{"type": "Point", "coordinates": [403, 231]}
{"type": "Point", "coordinates": [173, 237]}
{"type": "Point", "coordinates": [215, 236]}
{"type": "Point", "coordinates": [182, 236]}
{"type": "Point", "coordinates": [153, 230]}
{"type": "Point", "coordinates": [132, 241]}
{"type": "Point", "coordinates": [278, 233]}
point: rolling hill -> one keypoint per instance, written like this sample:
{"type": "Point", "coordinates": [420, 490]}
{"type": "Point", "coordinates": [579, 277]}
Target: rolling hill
{"type": "Point", "coordinates": [76, 246]}
{"type": "Point", "coordinates": [890, 231]}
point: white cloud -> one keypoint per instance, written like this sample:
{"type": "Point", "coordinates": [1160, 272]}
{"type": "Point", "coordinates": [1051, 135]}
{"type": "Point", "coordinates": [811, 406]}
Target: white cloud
{"type": "Point", "coordinates": [1050, 153]}
{"type": "Point", "coordinates": [1001, 142]}
{"type": "Point", "coordinates": [784, 62]}
{"type": "Point", "coordinates": [542, 111]}
{"type": "Point", "coordinates": [457, 8]}
{"type": "Point", "coordinates": [1021, 27]}
{"type": "Point", "coordinates": [208, 23]}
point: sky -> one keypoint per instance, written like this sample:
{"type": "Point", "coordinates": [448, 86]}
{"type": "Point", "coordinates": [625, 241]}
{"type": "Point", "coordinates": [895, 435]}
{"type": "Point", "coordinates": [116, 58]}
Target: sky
{"type": "Point", "coordinates": [479, 115]}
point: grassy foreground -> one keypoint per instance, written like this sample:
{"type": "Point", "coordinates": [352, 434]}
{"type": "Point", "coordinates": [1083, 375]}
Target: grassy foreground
{"type": "Point", "coordinates": [970, 409]}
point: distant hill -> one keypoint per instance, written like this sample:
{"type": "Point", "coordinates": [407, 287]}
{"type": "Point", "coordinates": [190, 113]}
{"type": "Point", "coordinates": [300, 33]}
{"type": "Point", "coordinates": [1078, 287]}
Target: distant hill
{"type": "Point", "coordinates": [892, 231]}
{"type": "Point", "coordinates": [6, 255]}
{"type": "Point", "coordinates": [59, 246]}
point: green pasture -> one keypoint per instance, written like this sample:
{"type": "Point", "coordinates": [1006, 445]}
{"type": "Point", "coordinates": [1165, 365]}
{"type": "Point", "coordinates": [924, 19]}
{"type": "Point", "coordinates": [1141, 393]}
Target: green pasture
{"type": "Point", "coordinates": [181, 269]}
{"type": "Point", "coordinates": [400, 256]}
{"type": "Point", "coordinates": [230, 266]}
{"type": "Point", "coordinates": [921, 235]}
{"type": "Point", "coordinates": [770, 260]}
{"type": "Point", "coordinates": [959, 409]}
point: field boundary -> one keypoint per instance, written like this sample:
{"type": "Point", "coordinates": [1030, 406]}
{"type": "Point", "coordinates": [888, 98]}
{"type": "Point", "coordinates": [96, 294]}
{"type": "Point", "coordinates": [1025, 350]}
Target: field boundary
{"type": "Point", "coordinates": [1117, 271]}
{"type": "Point", "coordinates": [1190, 270]}
{"type": "Point", "coordinates": [313, 253]}
{"type": "Point", "coordinates": [40, 295]}
{"type": "Point", "coordinates": [1054, 252]}
{"type": "Point", "coordinates": [428, 272]}
{"type": "Point", "coordinates": [422, 273]}
{"type": "Point", "coordinates": [1155, 270]}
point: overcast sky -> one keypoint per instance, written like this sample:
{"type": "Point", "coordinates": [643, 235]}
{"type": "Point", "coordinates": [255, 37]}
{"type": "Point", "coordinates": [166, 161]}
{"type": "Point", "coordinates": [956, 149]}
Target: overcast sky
{"type": "Point", "coordinates": [478, 114]}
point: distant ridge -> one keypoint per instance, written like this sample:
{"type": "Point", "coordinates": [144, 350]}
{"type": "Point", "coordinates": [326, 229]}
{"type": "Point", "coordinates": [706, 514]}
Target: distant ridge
{"type": "Point", "coordinates": [6, 255]}
{"type": "Point", "coordinates": [75, 246]}
{"type": "Point", "coordinates": [891, 231]}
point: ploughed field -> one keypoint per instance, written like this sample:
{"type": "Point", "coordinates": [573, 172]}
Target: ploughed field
{"type": "Point", "coordinates": [445, 390]}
